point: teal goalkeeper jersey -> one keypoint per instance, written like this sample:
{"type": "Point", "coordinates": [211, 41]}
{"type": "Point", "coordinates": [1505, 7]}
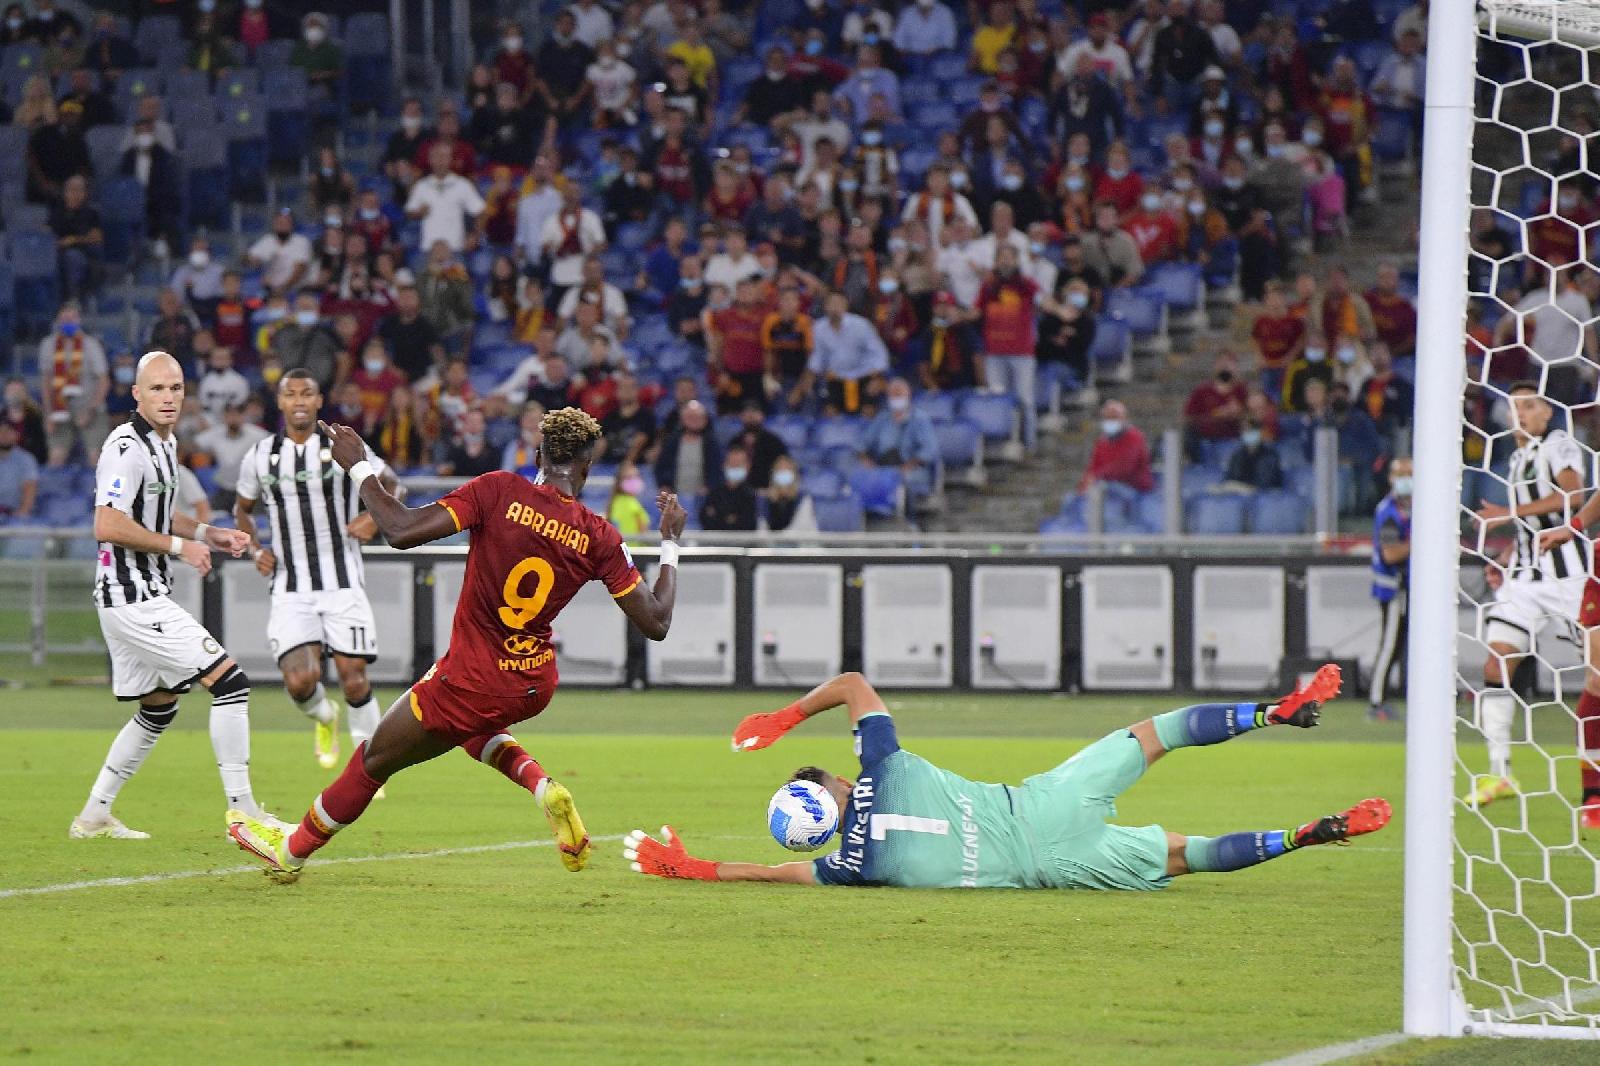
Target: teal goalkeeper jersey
{"type": "Point", "coordinates": [913, 825]}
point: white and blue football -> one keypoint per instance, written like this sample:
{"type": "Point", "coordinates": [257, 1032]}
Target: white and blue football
{"type": "Point", "coordinates": [802, 816]}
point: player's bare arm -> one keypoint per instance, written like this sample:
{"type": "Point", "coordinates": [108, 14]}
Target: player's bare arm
{"type": "Point", "coordinates": [850, 690]}
{"type": "Point", "coordinates": [403, 527]}
{"type": "Point", "coordinates": [112, 526]}
{"type": "Point", "coordinates": [650, 609]}
{"type": "Point", "coordinates": [1586, 516]}
{"type": "Point", "coordinates": [668, 857]}
{"type": "Point", "coordinates": [1571, 489]}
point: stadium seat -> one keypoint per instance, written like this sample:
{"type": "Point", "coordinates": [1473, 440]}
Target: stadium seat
{"type": "Point", "coordinates": [994, 414]}
{"type": "Point", "coordinates": [367, 62]}
{"type": "Point", "coordinates": [948, 67]}
{"type": "Point", "coordinates": [1391, 138]}
{"type": "Point", "coordinates": [881, 490]}
{"type": "Point", "coordinates": [13, 155]}
{"type": "Point", "coordinates": [1279, 512]}
{"type": "Point", "coordinates": [793, 430]}
{"type": "Point", "coordinates": [244, 121]}
{"type": "Point", "coordinates": [960, 444]}
{"type": "Point", "coordinates": [820, 481]}
{"type": "Point", "coordinates": [288, 119]}
{"type": "Point", "coordinates": [839, 514]}
{"type": "Point", "coordinates": [33, 258]}
{"type": "Point", "coordinates": [1143, 311]}
{"type": "Point", "coordinates": [726, 428]}
{"type": "Point", "coordinates": [1112, 351]}
{"type": "Point", "coordinates": [939, 406]}
{"type": "Point", "coordinates": [841, 457]}
{"type": "Point", "coordinates": [935, 118]}
{"type": "Point", "coordinates": [633, 236]}
{"type": "Point", "coordinates": [841, 431]}
{"type": "Point", "coordinates": [105, 150]}
{"type": "Point", "coordinates": [155, 31]}
{"type": "Point", "coordinates": [915, 91]}
{"type": "Point", "coordinates": [122, 210]}
{"type": "Point", "coordinates": [1182, 287]}
{"type": "Point", "coordinates": [1217, 513]}
{"type": "Point", "coordinates": [240, 81]}
{"type": "Point", "coordinates": [1198, 479]}
{"type": "Point", "coordinates": [1150, 512]}
{"type": "Point", "coordinates": [1063, 524]}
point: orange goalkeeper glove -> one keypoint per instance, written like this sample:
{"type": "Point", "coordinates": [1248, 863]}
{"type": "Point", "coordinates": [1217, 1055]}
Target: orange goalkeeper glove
{"type": "Point", "coordinates": [763, 730]}
{"type": "Point", "coordinates": [666, 857]}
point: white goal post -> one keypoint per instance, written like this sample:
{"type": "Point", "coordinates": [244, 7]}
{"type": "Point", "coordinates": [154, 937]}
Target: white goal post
{"type": "Point", "coordinates": [1502, 931]}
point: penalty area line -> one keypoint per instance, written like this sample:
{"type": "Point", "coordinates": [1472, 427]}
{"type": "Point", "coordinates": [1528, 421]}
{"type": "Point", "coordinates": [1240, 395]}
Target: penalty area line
{"type": "Point", "coordinates": [225, 871]}
{"type": "Point", "coordinates": [1317, 1056]}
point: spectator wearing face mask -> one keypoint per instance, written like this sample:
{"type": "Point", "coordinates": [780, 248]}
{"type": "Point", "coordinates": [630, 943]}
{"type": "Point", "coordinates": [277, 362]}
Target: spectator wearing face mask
{"type": "Point", "coordinates": [731, 506]}
{"type": "Point", "coordinates": [1254, 464]}
{"type": "Point", "coordinates": [198, 279]}
{"type": "Point", "coordinates": [1314, 364]}
{"type": "Point", "coordinates": [1121, 453]}
{"type": "Point", "coordinates": [1351, 367]}
{"type": "Point", "coordinates": [283, 255]}
{"type": "Point", "coordinates": [320, 58]}
{"type": "Point", "coordinates": [1157, 235]}
{"type": "Point", "coordinates": [1067, 329]}
{"type": "Point", "coordinates": [624, 509]}
{"type": "Point", "coordinates": [789, 507]}
{"type": "Point", "coordinates": [470, 455]}
{"type": "Point", "coordinates": [1214, 411]}
{"type": "Point", "coordinates": [303, 342]}
{"type": "Point", "coordinates": [900, 436]}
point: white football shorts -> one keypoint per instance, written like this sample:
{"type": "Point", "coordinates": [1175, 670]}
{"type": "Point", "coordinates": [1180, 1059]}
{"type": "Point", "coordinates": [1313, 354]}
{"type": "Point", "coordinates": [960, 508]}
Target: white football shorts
{"type": "Point", "coordinates": [156, 646]}
{"type": "Point", "coordinates": [1522, 608]}
{"type": "Point", "coordinates": [338, 619]}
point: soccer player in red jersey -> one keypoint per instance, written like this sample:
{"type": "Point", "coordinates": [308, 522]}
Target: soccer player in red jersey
{"type": "Point", "coordinates": [533, 547]}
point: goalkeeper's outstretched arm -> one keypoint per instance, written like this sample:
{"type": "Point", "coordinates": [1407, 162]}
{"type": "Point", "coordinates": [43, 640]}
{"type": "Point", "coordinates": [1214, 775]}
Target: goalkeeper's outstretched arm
{"type": "Point", "coordinates": [850, 690]}
{"type": "Point", "coordinates": [668, 857]}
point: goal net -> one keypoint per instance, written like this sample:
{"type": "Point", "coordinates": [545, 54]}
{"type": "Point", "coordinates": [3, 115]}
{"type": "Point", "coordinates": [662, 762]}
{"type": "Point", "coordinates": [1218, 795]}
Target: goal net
{"type": "Point", "coordinates": [1503, 920]}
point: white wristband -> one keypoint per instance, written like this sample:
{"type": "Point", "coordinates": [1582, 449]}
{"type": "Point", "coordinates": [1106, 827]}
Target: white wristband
{"type": "Point", "coordinates": [669, 553]}
{"type": "Point", "coordinates": [200, 532]}
{"type": "Point", "coordinates": [359, 473]}
{"type": "Point", "coordinates": [176, 548]}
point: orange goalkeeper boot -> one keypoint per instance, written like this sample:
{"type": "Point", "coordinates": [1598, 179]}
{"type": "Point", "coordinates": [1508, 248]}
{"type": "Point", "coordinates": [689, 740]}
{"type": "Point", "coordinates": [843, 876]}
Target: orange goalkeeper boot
{"type": "Point", "coordinates": [1303, 706]}
{"type": "Point", "coordinates": [1368, 816]}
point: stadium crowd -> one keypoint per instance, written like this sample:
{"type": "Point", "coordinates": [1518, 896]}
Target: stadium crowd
{"type": "Point", "coordinates": [800, 259]}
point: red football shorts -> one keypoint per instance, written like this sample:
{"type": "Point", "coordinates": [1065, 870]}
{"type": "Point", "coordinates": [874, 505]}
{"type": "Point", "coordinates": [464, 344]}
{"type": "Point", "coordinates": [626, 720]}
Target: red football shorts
{"type": "Point", "coordinates": [1589, 613]}
{"type": "Point", "coordinates": [453, 712]}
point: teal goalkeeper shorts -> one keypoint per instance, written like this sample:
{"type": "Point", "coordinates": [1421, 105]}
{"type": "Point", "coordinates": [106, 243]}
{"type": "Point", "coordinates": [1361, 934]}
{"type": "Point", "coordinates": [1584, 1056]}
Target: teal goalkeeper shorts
{"type": "Point", "coordinates": [1066, 809]}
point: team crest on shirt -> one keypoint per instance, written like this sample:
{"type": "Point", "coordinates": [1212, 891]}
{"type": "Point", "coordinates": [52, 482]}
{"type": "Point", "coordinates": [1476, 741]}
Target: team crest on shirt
{"type": "Point", "coordinates": [272, 460]}
{"type": "Point", "coordinates": [326, 455]}
{"type": "Point", "coordinates": [210, 646]}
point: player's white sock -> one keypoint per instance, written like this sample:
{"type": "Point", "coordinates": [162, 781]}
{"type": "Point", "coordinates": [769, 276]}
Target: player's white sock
{"type": "Point", "coordinates": [127, 754]}
{"type": "Point", "coordinates": [1496, 709]}
{"type": "Point", "coordinates": [363, 718]}
{"type": "Point", "coordinates": [316, 705]}
{"type": "Point", "coordinates": [230, 739]}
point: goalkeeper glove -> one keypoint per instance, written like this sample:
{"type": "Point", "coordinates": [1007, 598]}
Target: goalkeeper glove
{"type": "Point", "coordinates": [666, 857]}
{"type": "Point", "coordinates": [763, 730]}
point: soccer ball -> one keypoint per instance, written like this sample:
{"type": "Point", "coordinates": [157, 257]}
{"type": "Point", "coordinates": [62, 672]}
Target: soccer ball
{"type": "Point", "coordinates": [802, 816]}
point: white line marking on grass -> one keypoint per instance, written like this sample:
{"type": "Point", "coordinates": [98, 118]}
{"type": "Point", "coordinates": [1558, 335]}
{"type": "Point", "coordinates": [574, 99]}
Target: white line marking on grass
{"type": "Point", "coordinates": [1317, 1056]}
{"type": "Point", "coordinates": [224, 871]}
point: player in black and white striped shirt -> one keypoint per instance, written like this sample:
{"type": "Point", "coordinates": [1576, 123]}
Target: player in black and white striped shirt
{"type": "Point", "coordinates": [319, 598]}
{"type": "Point", "coordinates": [1546, 478]}
{"type": "Point", "coordinates": [157, 648]}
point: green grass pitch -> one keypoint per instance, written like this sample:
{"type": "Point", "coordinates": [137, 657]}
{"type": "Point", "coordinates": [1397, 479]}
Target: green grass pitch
{"type": "Point", "coordinates": [495, 953]}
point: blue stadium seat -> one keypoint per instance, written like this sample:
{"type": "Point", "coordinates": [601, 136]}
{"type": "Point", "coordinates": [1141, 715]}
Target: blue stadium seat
{"type": "Point", "coordinates": [1063, 524]}
{"type": "Point", "coordinates": [881, 489]}
{"type": "Point", "coordinates": [820, 481]}
{"type": "Point", "coordinates": [1112, 346]}
{"type": "Point", "coordinates": [288, 121]}
{"type": "Point", "coordinates": [1302, 481]}
{"type": "Point", "coordinates": [273, 55]}
{"type": "Point", "coordinates": [210, 181]}
{"type": "Point", "coordinates": [948, 67]}
{"type": "Point", "coordinates": [192, 115]}
{"type": "Point", "coordinates": [726, 428]}
{"type": "Point", "coordinates": [914, 91]}
{"type": "Point", "coordinates": [240, 81]}
{"type": "Point", "coordinates": [1279, 512]}
{"type": "Point", "coordinates": [793, 430]}
{"type": "Point", "coordinates": [154, 32]}
{"type": "Point", "coordinates": [122, 210]}
{"type": "Point", "coordinates": [56, 482]}
{"type": "Point", "coordinates": [1150, 512]}
{"type": "Point", "coordinates": [33, 257]}
{"type": "Point", "coordinates": [963, 92]}
{"type": "Point", "coordinates": [1140, 309]}
{"type": "Point", "coordinates": [994, 414]}
{"type": "Point", "coordinates": [839, 514]}
{"type": "Point", "coordinates": [960, 442]}
{"type": "Point", "coordinates": [935, 118]}
{"type": "Point", "coordinates": [1180, 285]}
{"type": "Point", "coordinates": [13, 155]}
{"type": "Point", "coordinates": [841, 457]}
{"type": "Point", "coordinates": [1391, 138]}
{"type": "Point", "coordinates": [1217, 513]}
{"type": "Point", "coordinates": [939, 406]}
{"type": "Point", "coordinates": [184, 85]}
{"type": "Point", "coordinates": [105, 150]}
{"type": "Point", "coordinates": [244, 121]}
{"type": "Point", "coordinates": [1196, 480]}
{"type": "Point", "coordinates": [633, 236]}
{"type": "Point", "coordinates": [367, 77]}
{"type": "Point", "coordinates": [841, 431]}
{"type": "Point", "coordinates": [142, 81]}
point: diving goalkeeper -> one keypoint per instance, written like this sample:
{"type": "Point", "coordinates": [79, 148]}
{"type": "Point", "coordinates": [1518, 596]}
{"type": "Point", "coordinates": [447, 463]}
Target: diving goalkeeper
{"type": "Point", "coordinates": [908, 823]}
